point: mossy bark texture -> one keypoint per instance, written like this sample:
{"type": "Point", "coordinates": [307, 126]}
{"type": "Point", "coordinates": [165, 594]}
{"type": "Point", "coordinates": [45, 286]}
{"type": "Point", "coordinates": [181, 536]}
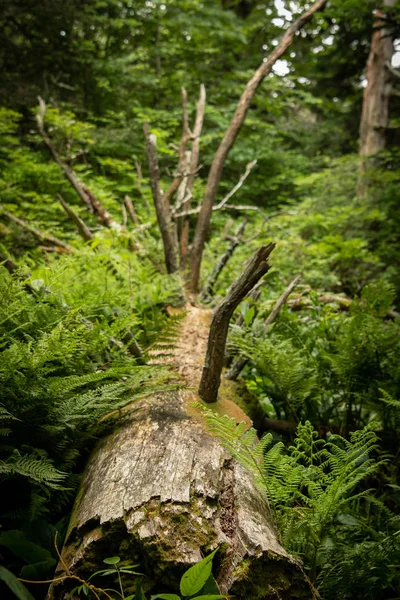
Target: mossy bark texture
{"type": "Point", "coordinates": [162, 492]}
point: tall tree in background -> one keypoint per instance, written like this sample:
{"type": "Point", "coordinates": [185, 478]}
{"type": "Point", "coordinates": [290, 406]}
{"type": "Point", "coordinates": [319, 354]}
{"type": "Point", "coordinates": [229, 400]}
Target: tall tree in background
{"type": "Point", "coordinates": [375, 110]}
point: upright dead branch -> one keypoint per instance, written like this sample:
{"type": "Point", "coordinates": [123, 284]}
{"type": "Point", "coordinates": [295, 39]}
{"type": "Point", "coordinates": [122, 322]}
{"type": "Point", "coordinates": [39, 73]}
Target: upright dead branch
{"type": "Point", "coordinates": [81, 226]}
{"type": "Point", "coordinates": [211, 375]}
{"type": "Point", "coordinates": [241, 362]}
{"type": "Point", "coordinates": [40, 235]}
{"type": "Point", "coordinates": [193, 165]}
{"type": "Point", "coordinates": [229, 138]}
{"type": "Point", "coordinates": [221, 263]}
{"type": "Point", "coordinates": [163, 215]}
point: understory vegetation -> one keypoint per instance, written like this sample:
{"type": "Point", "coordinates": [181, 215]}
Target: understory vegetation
{"type": "Point", "coordinates": [85, 296]}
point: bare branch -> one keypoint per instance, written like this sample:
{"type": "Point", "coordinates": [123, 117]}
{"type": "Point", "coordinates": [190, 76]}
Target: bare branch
{"type": "Point", "coordinates": [229, 138]}
{"type": "Point", "coordinates": [241, 362]}
{"type": "Point", "coordinates": [211, 376]}
{"type": "Point", "coordinates": [83, 229]}
{"type": "Point", "coordinates": [238, 185]}
{"type": "Point", "coordinates": [68, 172]}
{"type": "Point", "coordinates": [131, 210]}
{"type": "Point", "coordinates": [221, 263]}
{"type": "Point", "coordinates": [101, 212]}
{"type": "Point", "coordinates": [194, 161]}
{"type": "Point", "coordinates": [163, 216]}
{"type": "Point", "coordinates": [281, 301]}
{"type": "Point", "coordinates": [40, 235]}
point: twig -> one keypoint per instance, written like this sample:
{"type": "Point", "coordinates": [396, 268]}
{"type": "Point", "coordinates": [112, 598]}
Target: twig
{"type": "Point", "coordinates": [221, 263]}
{"type": "Point", "coordinates": [83, 229]}
{"type": "Point", "coordinates": [124, 216]}
{"type": "Point", "coordinates": [131, 210]}
{"type": "Point", "coordinates": [211, 376]}
{"type": "Point", "coordinates": [238, 185]}
{"type": "Point", "coordinates": [40, 235]}
{"type": "Point", "coordinates": [241, 362]}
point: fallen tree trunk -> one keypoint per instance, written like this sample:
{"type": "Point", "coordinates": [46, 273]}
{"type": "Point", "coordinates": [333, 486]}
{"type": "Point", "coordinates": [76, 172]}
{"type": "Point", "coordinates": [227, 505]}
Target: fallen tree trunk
{"type": "Point", "coordinates": [162, 491]}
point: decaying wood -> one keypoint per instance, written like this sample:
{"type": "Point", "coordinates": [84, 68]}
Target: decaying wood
{"type": "Point", "coordinates": [81, 226]}
{"type": "Point", "coordinates": [162, 492]}
{"type": "Point", "coordinates": [211, 376]}
{"type": "Point", "coordinates": [229, 138]}
{"type": "Point", "coordinates": [194, 162]}
{"type": "Point", "coordinates": [222, 262]}
{"type": "Point", "coordinates": [40, 235]}
{"type": "Point", "coordinates": [241, 361]}
{"type": "Point", "coordinates": [163, 215]}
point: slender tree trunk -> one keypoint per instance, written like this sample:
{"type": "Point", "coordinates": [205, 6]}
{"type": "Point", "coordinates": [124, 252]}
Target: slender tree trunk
{"type": "Point", "coordinates": [375, 110]}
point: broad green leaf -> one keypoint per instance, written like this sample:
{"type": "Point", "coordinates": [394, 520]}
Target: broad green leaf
{"type": "Point", "coordinates": [210, 587]}
{"type": "Point", "coordinates": [15, 586]}
{"type": "Point", "coordinates": [166, 597]}
{"type": "Point", "coordinates": [193, 580]}
{"type": "Point", "coordinates": [112, 560]}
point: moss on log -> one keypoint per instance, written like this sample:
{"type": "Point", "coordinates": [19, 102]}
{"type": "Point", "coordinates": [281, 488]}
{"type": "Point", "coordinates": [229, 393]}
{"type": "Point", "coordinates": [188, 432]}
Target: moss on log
{"type": "Point", "coordinates": [162, 492]}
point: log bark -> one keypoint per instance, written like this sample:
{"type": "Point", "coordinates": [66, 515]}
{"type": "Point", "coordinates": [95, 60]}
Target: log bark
{"type": "Point", "coordinates": [162, 491]}
{"type": "Point", "coordinates": [230, 136]}
{"type": "Point", "coordinates": [211, 375]}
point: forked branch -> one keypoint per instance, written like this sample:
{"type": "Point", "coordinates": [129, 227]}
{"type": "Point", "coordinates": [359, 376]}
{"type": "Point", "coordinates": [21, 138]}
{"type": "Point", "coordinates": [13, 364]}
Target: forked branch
{"type": "Point", "coordinates": [211, 376]}
{"type": "Point", "coordinates": [229, 138]}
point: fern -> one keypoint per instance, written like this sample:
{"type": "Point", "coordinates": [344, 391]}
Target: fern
{"type": "Point", "coordinates": [61, 372]}
{"type": "Point", "coordinates": [310, 484]}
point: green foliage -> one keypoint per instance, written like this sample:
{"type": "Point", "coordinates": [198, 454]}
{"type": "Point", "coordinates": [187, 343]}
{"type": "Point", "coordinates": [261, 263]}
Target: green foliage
{"type": "Point", "coordinates": [65, 366]}
{"type": "Point", "coordinates": [318, 490]}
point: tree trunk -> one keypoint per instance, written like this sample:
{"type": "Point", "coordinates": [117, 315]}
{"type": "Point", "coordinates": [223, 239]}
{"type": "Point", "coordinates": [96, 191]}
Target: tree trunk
{"type": "Point", "coordinates": [162, 491]}
{"type": "Point", "coordinates": [375, 110]}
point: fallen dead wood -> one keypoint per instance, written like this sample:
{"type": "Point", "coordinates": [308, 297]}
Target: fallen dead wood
{"type": "Point", "coordinates": [256, 268]}
{"type": "Point", "coordinates": [161, 490]}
